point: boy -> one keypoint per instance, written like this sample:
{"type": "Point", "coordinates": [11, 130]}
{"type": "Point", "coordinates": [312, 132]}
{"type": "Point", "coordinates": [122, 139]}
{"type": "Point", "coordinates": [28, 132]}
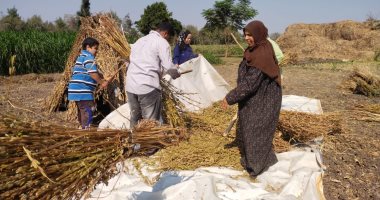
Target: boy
{"type": "Point", "coordinates": [83, 82]}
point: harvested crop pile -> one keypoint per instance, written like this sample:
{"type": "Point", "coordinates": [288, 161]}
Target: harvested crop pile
{"type": "Point", "coordinates": [207, 146]}
{"type": "Point", "coordinates": [53, 162]}
{"type": "Point", "coordinates": [363, 82]}
{"type": "Point", "coordinates": [340, 41]}
{"type": "Point", "coordinates": [303, 127]}
{"type": "Point", "coordinates": [113, 51]}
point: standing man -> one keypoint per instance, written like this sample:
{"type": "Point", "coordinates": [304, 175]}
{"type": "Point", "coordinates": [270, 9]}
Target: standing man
{"type": "Point", "coordinates": [150, 57]}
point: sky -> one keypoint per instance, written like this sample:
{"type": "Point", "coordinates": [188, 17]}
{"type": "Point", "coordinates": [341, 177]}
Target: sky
{"type": "Point", "coordinates": [276, 14]}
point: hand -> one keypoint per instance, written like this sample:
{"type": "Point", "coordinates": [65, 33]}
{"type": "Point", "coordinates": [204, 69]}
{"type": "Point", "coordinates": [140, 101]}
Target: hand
{"type": "Point", "coordinates": [177, 65]}
{"type": "Point", "coordinates": [173, 73]}
{"type": "Point", "coordinates": [103, 84]}
{"type": "Point", "coordinates": [224, 104]}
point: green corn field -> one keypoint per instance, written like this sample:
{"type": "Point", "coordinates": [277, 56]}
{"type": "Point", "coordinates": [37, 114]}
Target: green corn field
{"type": "Point", "coordinates": [219, 50]}
{"type": "Point", "coordinates": [35, 51]}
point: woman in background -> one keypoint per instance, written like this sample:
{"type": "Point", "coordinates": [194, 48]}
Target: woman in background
{"type": "Point", "coordinates": [182, 50]}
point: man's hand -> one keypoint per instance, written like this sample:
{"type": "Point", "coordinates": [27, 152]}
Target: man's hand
{"type": "Point", "coordinates": [173, 73]}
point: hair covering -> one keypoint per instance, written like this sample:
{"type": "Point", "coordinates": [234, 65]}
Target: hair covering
{"type": "Point", "coordinates": [181, 39]}
{"type": "Point", "coordinates": [261, 55]}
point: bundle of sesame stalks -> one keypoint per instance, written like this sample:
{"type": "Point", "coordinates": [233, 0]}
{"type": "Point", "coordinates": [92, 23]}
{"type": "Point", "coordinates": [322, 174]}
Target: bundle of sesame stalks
{"type": "Point", "coordinates": [303, 127]}
{"type": "Point", "coordinates": [363, 81]}
{"type": "Point", "coordinates": [114, 50]}
{"type": "Point", "coordinates": [53, 162]}
{"type": "Point", "coordinates": [172, 107]}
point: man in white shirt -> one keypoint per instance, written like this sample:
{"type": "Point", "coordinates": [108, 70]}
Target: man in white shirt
{"type": "Point", "coordinates": [150, 58]}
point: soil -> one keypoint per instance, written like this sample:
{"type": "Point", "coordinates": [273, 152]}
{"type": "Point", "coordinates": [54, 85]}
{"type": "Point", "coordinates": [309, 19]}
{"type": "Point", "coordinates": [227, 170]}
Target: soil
{"type": "Point", "coordinates": [352, 158]}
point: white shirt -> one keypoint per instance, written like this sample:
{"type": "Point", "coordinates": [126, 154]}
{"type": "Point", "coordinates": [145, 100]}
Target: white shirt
{"type": "Point", "coordinates": [150, 55]}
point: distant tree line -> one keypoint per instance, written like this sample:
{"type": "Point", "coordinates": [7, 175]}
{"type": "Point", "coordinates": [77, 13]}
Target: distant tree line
{"type": "Point", "coordinates": [226, 17]}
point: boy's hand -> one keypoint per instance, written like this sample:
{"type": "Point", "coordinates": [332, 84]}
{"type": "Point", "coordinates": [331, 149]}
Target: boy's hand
{"type": "Point", "coordinates": [103, 84]}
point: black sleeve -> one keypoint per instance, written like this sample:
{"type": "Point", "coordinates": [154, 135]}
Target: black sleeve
{"type": "Point", "coordinates": [249, 85]}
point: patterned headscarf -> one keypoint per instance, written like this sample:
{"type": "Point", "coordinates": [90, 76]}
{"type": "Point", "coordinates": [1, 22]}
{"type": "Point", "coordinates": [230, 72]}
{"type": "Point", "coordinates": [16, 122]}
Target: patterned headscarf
{"type": "Point", "coordinates": [181, 39]}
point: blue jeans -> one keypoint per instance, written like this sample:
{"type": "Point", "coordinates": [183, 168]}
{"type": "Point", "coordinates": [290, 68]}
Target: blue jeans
{"type": "Point", "coordinates": [85, 112]}
{"type": "Point", "coordinates": [145, 106]}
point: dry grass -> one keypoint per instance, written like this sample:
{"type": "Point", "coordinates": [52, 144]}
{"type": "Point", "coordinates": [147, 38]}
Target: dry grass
{"type": "Point", "coordinates": [207, 146]}
{"type": "Point", "coordinates": [340, 41]}
{"type": "Point", "coordinates": [363, 82]}
{"type": "Point", "coordinates": [303, 127]}
{"type": "Point", "coordinates": [368, 113]}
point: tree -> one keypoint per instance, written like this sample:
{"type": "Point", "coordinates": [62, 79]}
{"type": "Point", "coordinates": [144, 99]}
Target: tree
{"type": "Point", "coordinates": [225, 18]}
{"type": "Point", "coordinates": [84, 9]}
{"type": "Point", "coordinates": [12, 21]}
{"type": "Point", "coordinates": [71, 21]}
{"type": "Point", "coordinates": [274, 35]}
{"type": "Point", "coordinates": [35, 23]}
{"type": "Point", "coordinates": [60, 24]}
{"type": "Point", "coordinates": [131, 33]}
{"type": "Point", "coordinates": [177, 26]}
{"type": "Point", "coordinates": [155, 14]}
{"type": "Point", "coordinates": [227, 14]}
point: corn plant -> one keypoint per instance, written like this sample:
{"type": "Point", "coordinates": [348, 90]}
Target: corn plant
{"type": "Point", "coordinates": [36, 51]}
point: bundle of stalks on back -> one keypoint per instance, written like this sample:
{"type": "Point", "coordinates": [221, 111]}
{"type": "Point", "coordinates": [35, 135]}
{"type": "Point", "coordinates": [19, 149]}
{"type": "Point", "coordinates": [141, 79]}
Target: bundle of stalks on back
{"type": "Point", "coordinates": [53, 162]}
{"type": "Point", "coordinates": [113, 51]}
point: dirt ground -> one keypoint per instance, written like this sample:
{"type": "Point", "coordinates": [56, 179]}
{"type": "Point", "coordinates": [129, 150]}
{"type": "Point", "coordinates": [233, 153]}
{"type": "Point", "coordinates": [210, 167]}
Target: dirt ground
{"type": "Point", "coordinates": [352, 159]}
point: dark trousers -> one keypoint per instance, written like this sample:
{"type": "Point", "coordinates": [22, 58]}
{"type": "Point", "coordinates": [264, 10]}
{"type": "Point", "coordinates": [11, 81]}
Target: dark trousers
{"type": "Point", "coordinates": [145, 106]}
{"type": "Point", "coordinates": [85, 112]}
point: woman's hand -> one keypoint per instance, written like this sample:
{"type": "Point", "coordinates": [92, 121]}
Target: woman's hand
{"type": "Point", "coordinates": [224, 104]}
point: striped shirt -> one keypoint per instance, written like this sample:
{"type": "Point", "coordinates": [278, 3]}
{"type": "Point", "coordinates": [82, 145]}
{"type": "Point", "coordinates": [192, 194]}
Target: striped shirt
{"type": "Point", "coordinates": [82, 86]}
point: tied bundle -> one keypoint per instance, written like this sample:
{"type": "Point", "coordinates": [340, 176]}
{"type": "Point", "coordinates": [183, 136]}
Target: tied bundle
{"type": "Point", "coordinates": [53, 162]}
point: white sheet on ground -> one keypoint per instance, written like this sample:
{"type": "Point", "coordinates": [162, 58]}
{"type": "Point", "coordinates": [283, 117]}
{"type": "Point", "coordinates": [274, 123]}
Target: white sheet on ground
{"type": "Point", "coordinates": [301, 104]}
{"type": "Point", "coordinates": [297, 175]}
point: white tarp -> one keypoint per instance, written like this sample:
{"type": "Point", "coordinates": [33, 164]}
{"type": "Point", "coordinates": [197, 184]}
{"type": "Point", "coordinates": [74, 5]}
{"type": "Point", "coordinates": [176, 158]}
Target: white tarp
{"type": "Point", "coordinates": [203, 85]}
{"type": "Point", "coordinates": [297, 175]}
{"type": "Point", "coordinates": [301, 104]}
